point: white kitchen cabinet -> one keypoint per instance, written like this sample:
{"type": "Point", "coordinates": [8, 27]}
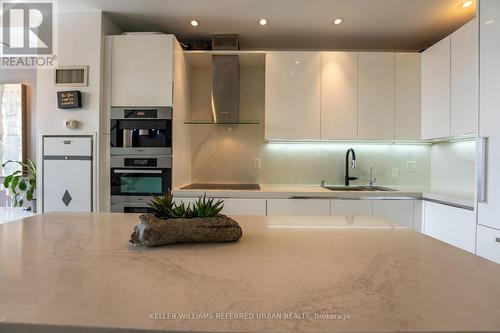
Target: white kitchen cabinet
{"type": "Point", "coordinates": [489, 209]}
{"type": "Point", "coordinates": [376, 95]}
{"type": "Point", "coordinates": [488, 243]}
{"type": "Point", "coordinates": [142, 70]}
{"type": "Point", "coordinates": [339, 96]}
{"type": "Point", "coordinates": [398, 211]}
{"type": "Point", "coordinates": [436, 88]}
{"type": "Point", "coordinates": [67, 174]}
{"type": "Point", "coordinates": [464, 79]}
{"type": "Point", "coordinates": [407, 96]}
{"type": "Point", "coordinates": [455, 226]}
{"type": "Point", "coordinates": [351, 207]}
{"type": "Point", "coordinates": [314, 207]}
{"type": "Point", "coordinates": [235, 206]}
{"type": "Point", "coordinates": [293, 95]}
{"type": "Point", "coordinates": [418, 211]}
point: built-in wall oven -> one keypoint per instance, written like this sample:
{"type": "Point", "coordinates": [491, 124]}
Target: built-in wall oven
{"type": "Point", "coordinates": [136, 178]}
{"type": "Point", "coordinates": [141, 131]}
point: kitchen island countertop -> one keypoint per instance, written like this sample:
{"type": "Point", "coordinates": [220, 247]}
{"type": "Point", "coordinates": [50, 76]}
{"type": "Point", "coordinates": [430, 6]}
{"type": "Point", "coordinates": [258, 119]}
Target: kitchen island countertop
{"type": "Point", "coordinates": [78, 273]}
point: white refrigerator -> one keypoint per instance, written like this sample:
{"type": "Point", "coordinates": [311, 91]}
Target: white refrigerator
{"type": "Point", "coordinates": [67, 184]}
{"type": "Point", "coordinates": [488, 176]}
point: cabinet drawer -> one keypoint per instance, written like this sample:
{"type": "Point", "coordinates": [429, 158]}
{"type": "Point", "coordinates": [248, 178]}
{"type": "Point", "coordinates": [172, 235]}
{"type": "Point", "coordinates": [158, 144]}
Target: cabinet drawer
{"type": "Point", "coordinates": [67, 146]}
{"type": "Point", "coordinates": [452, 225]}
{"type": "Point", "coordinates": [488, 243]}
{"type": "Point", "coordinates": [235, 206]}
{"type": "Point", "coordinates": [244, 207]}
{"type": "Point", "coordinates": [352, 207]}
{"type": "Point", "coordinates": [314, 207]}
{"type": "Point", "coordinates": [398, 211]}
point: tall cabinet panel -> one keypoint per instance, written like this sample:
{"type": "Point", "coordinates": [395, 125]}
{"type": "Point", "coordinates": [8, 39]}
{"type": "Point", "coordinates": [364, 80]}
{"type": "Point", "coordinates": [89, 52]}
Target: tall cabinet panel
{"type": "Point", "coordinates": [464, 79]}
{"type": "Point", "coordinates": [436, 90]}
{"type": "Point", "coordinates": [293, 95]}
{"type": "Point", "coordinates": [141, 70]}
{"type": "Point", "coordinates": [407, 96]}
{"type": "Point", "coordinates": [376, 96]}
{"type": "Point", "coordinates": [68, 174]}
{"type": "Point", "coordinates": [339, 96]}
{"type": "Point", "coordinates": [489, 209]}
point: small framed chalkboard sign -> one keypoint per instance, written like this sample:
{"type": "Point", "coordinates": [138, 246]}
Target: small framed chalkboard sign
{"type": "Point", "coordinates": [69, 99]}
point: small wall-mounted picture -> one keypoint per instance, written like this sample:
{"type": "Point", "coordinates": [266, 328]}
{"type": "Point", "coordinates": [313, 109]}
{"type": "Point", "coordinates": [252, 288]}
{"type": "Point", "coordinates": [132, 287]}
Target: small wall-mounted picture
{"type": "Point", "coordinates": [69, 99]}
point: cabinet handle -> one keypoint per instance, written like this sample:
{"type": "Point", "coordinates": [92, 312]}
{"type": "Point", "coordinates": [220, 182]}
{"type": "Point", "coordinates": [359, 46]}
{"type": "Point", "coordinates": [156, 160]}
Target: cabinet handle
{"type": "Point", "coordinates": [497, 239]}
{"type": "Point", "coordinates": [138, 171]}
{"type": "Point", "coordinates": [482, 148]}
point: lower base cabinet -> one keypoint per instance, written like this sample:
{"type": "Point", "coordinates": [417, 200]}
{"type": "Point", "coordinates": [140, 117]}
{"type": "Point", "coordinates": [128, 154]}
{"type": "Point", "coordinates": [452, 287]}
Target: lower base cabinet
{"type": "Point", "coordinates": [236, 206]}
{"type": "Point", "coordinates": [244, 207]}
{"type": "Point", "coordinates": [352, 208]}
{"type": "Point", "coordinates": [455, 226]}
{"type": "Point", "coordinates": [315, 207]}
{"type": "Point", "coordinates": [488, 243]}
{"type": "Point", "coordinates": [403, 212]}
{"type": "Point", "coordinates": [398, 211]}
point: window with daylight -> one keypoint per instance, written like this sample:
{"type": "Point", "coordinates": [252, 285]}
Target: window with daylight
{"type": "Point", "coordinates": [12, 125]}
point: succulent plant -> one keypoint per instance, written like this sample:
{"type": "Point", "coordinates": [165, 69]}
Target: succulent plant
{"type": "Point", "coordinates": [204, 207]}
{"type": "Point", "coordinates": [164, 207]}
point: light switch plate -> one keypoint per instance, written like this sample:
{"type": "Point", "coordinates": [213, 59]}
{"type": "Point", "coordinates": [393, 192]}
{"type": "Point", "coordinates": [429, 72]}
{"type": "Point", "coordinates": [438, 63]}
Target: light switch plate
{"type": "Point", "coordinates": [257, 164]}
{"type": "Point", "coordinates": [411, 166]}
{"type": "Point", "coordinates": [395, 173]}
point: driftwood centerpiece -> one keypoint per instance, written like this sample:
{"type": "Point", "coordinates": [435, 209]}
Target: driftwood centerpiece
{"type": "Point", "coordinates": [152, 231]}
{"type": "Point", "coordinates": [171, 223]}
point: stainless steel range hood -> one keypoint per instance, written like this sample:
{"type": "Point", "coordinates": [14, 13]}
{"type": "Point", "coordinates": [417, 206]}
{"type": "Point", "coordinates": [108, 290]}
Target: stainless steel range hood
{"type": "Point", "coordinates": [225, 88]}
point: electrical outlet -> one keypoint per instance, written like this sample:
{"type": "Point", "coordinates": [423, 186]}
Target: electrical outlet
{"type": "Point", "coordinates": [411, 166]}
{"type": "Point", "coordinates": [257, 164]}
{"type": "Point", "coordinates": [395, 173]}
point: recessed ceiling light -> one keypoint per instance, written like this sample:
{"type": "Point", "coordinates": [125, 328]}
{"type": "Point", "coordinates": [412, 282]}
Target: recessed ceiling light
{"type": "Point", "coordinates": [338, 20]}
{"type": "Point", "coordinates": [263, 21]}
{"type": "Point", "coordinates": [467, 4]}
{"type": "Point", "coordinates": [195, 23]}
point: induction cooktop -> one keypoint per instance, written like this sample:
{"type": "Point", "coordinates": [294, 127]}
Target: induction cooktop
{"type": "Point", "coordinates": [211, 186]}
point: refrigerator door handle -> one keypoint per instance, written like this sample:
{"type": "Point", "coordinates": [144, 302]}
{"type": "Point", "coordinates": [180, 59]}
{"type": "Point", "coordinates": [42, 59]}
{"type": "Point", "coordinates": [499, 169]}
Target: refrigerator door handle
{"type": "Point", "coordinates": [482, 148]}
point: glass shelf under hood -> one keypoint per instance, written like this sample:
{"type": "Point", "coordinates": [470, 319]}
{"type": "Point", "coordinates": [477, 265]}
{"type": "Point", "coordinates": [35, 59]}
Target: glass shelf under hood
{"type": "Point", "coordinates": [211, 122]}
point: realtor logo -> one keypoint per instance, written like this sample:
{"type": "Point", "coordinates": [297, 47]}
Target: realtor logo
{"type": "Point", "coordinates": [27, 28]}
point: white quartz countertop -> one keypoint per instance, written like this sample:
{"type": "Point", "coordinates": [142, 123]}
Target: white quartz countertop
{"type": "Point", "coordinates": [78, 273]}
{"type": "Point", "coordinates": [270, 191]}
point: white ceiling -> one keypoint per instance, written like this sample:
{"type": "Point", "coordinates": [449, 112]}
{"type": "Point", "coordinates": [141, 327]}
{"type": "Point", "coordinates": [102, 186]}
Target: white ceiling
{"type": "Point", "coordinates": [294, 24]}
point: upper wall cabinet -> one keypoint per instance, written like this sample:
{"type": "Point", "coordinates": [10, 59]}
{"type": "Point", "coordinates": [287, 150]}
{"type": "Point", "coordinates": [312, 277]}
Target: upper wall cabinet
{"type": "Point", "coordinates": [293, 95]}
{"type": "Point", "coordinates": [339, 96]}
{"type": "Point", "coordinates": [141, 70]}
{"type": "Point", "coordinates": [464, 79]}
{"type": "Point", "coordinates": [407, 96]}
{"type": "Point", "coordinates": [342, 96]}
{"type": "Point", "coordinates": [450, 84]}
{"type": "Point", "coordinates": [376, 96]}
{"type": "Point", "coordinates": [436, 90]}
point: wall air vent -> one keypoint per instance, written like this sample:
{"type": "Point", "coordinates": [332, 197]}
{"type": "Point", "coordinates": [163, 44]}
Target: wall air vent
{"type": "Point", "coordinates": [71, 76]}
{"type": "Point", "coordinates": [225, 42]}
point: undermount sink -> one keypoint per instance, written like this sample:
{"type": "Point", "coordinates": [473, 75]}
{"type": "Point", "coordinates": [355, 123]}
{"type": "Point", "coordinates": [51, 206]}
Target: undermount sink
{"type": "Point", "coordinates": [358, 188]}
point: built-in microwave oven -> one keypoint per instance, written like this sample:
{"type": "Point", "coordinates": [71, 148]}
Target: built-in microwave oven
{"type": "Point", "coordinates": [141, 131]}
{"type": "Point", "coordinates": [135, 179]}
